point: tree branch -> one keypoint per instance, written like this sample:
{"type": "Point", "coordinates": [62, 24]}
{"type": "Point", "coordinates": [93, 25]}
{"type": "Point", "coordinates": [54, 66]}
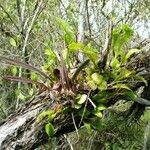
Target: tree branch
{"type": "Point", "coordinates": [21, 131]}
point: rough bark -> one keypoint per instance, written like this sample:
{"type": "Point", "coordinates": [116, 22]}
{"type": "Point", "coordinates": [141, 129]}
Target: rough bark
{"type": "Point", "coordinates": [21, 130]}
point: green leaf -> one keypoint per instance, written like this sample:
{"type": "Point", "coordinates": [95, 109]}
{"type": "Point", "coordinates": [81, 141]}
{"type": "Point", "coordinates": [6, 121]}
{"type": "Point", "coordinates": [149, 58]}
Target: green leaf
{"type": "Point", "coordinates": [21, 96]}
{"type": "Point", "coordinates": [50, 114]}
{"type": "Point", "coordinates": [75, 46]}
{"type": "Point", "coordinates": [31, 91]}
{"type": "Point", "coordinates": [97, 78]}
{"type": "Point", "coordinates": [100, 107]}
{"type": "Point", "coordinates": [128, 32]}
{"type": "Point", "coordinates": [34, 76]}
{"type": "Point", "coordinates": [121, 35]}
{"type": "Point", "coordinates": [77, 106]}
{"type": "Point", "coordinates": [64, 25]}
{"type": "Point", "coordinates": [130, 95]}
{"type": "Point", "coordinates": [115, 63]}
{"type": "Point", "coordinates": [13, 42]}
{"type": "Point", "coordinates": [92, 85]}
{"type": "Point", "coordinates": [49, 129]}
{"type": "Point", "coordinates": [87, 50]}
{"type": "Point", "coordinates": [102, 97]}
{"type": "Point", "coordinates": [122, 56]}
{"type": "Point", "coordinates": [50, 53]}
{"type": "Point", "coordinates": [88, 127]}
{"type": "Point", "coordinates": [91, 53]}
{"type": "Point", "coordinates": [131, 52]}
{"type": "Point", "coordinates": [14, 70]}
{"type": "Point", "coordinates": [121, 86]}
{"type": "Point", "coordinates": [82, 112]}
{"type": "Point", "coordinates": [98, 113]}
{"type": "Point", "coordinates": [82, 99]}
{"type": "Point", "coordinates": [68, 38]}
{"type": "Point", "coordinates": [97, 124]}
{"type": "Point", "coordinates": [102, 85]}
{"type": "Point", "coordinates": [124, 73]}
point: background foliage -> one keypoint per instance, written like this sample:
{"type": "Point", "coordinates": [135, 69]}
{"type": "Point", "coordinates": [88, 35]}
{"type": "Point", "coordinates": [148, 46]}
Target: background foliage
{"type": "Point", "coordinates": [36, 32]}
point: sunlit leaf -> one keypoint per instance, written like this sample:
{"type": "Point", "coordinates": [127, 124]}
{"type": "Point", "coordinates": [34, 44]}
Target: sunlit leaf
{"type": "Point", "coordinates": [77, 106]}
{"type": "Point", "coordinates": [98, 113]}
{"type": "Point", "coordinates": [50, 53]}
{"type": "Point", "coordinates": [13, 42]}
{"type": "Point", "coordinates": [49, 129]}
{"type": "Point", "coordinates": [131, 52]}
{"type": "Point", "coordinates": [121, 35]}
{"type": "Point", "coordinates": [34, 76]}
{"type": "Point", "coordinates": [31, 91]}
{"type": "Point", "coordinates": [122, 56]}
{"type": "Point", "coordinates": [128, 32]}
{"type": "Point", "coordinates": [124, 73]}
{"type": "Point", "coordinates": [121, 86]}
{"type": "Point", "coordinates": [68, 38]}
{"type": "Point", "coordinates": [102, 85]}
{"type": "Point", "coordinates": [64, 25]}
{"type": "Point", "coordinates": [91, 53]}
{"type": "Point", "coordinates": [115, 63]}
{"type": "Point", "coordinates": [75, 46]}
{"type": "Point", "coordinates": [88, 127]}
{"type": "Point", "coordinates": [101, 107]}
{"type": "Point", "coordinates": [97, 78]}
{"type": "Point", "coordinates": [82, 99]}
{"type": "Point", "coordinates": [88, 50]}
{"type": "Point", "coordinates": [14, 70]}
{"type": "Point", "coordinates": [92, 85]}
{"type": "Point", "coordinates": [50, 114]}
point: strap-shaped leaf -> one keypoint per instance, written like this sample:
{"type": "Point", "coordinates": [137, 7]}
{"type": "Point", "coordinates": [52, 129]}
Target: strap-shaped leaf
{"type": "Point", "coordinates": [131, 52]}
{"type": "Point", "coordinates": [24, 65]}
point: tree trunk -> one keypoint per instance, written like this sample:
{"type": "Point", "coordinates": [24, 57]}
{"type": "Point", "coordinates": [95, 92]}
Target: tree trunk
{"type": "Point", "coordinates": [21, 130]}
